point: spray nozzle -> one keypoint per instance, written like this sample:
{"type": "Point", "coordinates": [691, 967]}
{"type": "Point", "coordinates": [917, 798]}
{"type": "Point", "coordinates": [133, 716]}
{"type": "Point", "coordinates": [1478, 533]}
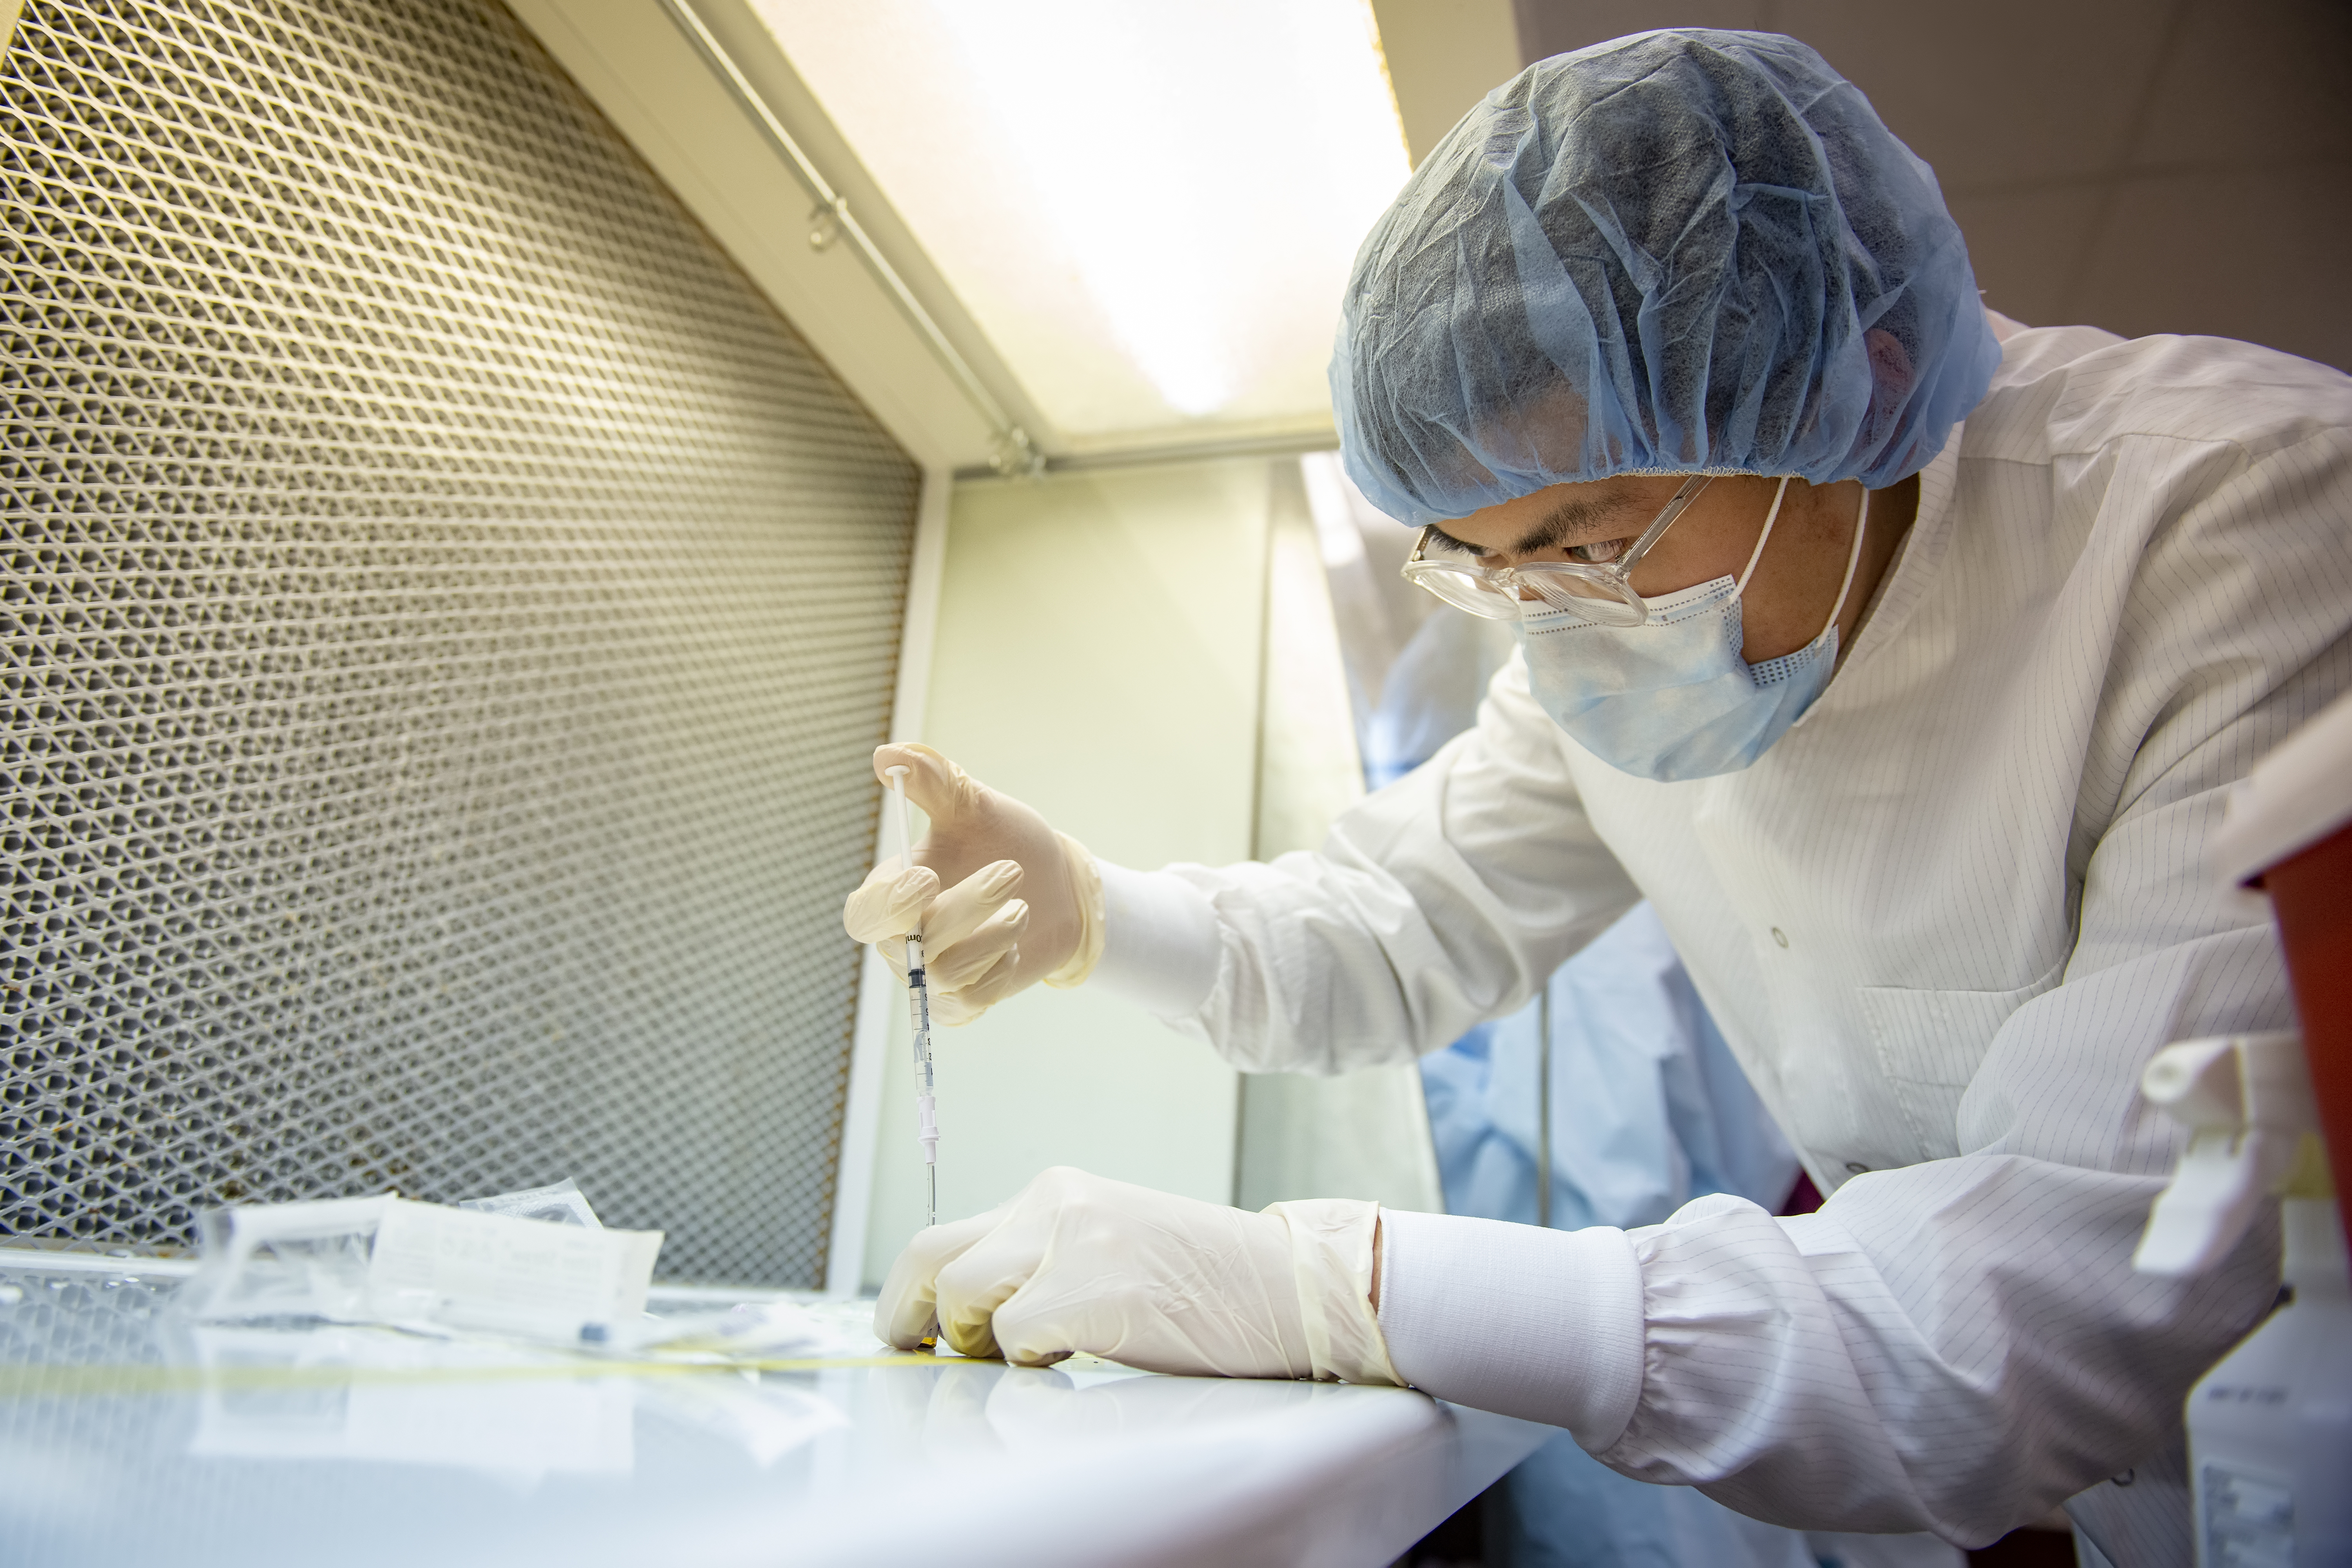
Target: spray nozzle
{"type": "Point", "coordinates": [2246, 1100]}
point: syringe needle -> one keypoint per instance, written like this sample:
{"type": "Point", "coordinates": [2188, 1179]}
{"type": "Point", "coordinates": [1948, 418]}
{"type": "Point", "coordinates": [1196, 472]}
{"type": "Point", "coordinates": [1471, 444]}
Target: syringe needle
{"type": "Point", "coordinates": [919, 1015]}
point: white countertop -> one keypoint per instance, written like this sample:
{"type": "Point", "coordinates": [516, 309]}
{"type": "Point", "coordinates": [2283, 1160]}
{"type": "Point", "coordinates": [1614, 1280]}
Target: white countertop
{"type": "Point", "coordinates": [127, 1436]}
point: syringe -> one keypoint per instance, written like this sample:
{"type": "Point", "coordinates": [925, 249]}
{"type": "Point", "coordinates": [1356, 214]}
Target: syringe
{"type": "Point", "coordinates": [918, 1013]}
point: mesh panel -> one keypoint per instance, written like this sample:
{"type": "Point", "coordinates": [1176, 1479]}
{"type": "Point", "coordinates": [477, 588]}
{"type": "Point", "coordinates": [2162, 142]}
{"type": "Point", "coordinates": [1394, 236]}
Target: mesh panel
{"type": "Point", "coordinates": [447, 614]}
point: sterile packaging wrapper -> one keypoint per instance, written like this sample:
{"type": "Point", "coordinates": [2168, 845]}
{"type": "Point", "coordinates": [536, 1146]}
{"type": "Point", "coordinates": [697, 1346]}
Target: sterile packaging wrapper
{"type": "Point", "coordinates": [562, 1204]}
{"type": "Point", "coordinates": [752, 1331]}
{"type": "Point", "coordinates": [415, 1265]}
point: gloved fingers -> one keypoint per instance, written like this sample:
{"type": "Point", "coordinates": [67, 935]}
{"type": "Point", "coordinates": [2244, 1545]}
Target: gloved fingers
{"type": "Point", "coordinates": [1223, 1314]}
{"type": "Point", "coordinates": [982, 952]}
{"type": "Point", "coordinates": [907, 1313]}
{"type": "Point", "coordinates": [890, 902]}
{"type": "Point", "coordinates": [1164, 1283]}
{"type": "Point", "coordinates": [935, 786]}
{"type": "Point", "coordinates": [970, 1288]}
{"type": "Point", "coordinates": [1041, 1323]}
{"type": "Point", "coordinates": [994, 984]}
{"type": "Point", "coordinates": [969, 904]}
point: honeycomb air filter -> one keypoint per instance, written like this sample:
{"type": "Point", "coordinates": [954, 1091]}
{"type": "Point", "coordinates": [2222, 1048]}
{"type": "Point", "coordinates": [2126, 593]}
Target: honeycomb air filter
{"type": "Point", "coordinates": [447, 613]}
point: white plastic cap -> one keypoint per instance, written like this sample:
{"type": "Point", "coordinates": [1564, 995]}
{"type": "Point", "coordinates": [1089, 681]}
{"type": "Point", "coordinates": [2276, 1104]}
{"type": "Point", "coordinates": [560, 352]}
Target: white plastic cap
{"type": "Point", "coordinates": [2247, 1102]}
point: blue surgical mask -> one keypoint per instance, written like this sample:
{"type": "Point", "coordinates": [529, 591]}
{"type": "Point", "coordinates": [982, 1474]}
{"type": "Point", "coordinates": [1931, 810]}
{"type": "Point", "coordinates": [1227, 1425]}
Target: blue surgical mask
{"type": "Point", "coordinates": [1672, 699]}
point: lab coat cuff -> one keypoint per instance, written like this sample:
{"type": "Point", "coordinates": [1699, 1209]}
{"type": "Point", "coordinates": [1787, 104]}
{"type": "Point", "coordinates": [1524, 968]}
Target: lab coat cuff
{"type": "Point", "coordinates": [1161, 946]}
{"type": "Point", "coordinates": [1545, 1325]}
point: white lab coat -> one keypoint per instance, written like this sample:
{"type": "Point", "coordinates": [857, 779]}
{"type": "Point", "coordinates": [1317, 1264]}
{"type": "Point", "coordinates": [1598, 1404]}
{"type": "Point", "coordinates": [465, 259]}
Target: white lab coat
{"type": "Point", "coordinates": [1943, 923]}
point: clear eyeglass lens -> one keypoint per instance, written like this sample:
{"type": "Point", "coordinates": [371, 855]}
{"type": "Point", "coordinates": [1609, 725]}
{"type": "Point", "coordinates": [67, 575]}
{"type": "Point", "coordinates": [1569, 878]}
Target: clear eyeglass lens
{"type": "Point", "coordinates": [1532, 593]}
{"type": "Point", "coordinates": [1601, 600]}
{"type": "Point", "coordinates": [1467, 591]}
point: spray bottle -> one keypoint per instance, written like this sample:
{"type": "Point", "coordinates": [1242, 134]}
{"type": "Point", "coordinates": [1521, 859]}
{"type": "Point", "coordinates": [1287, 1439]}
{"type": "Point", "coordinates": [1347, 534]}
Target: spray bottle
{"type": "Point", "coordinates": [2270, 1427]}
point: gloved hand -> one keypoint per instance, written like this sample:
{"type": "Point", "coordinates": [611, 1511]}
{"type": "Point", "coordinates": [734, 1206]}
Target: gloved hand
{"type": "Point", "coordinates": [1023, 903]}
{"type": "Point", "coordinates": [1080, 1263]}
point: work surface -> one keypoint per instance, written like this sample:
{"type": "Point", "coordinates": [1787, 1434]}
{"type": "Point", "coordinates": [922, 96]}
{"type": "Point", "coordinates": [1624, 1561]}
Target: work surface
{"type": "Point", "coordinates": [126, 1436]}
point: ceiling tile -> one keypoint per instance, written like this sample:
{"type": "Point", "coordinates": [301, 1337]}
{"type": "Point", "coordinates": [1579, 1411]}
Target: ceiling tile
{"type": "Point", "coordinates": [1151, 212]}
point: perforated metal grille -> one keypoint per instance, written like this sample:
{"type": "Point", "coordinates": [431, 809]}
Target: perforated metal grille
{"type": "Point", "coordinates": [447, 613]}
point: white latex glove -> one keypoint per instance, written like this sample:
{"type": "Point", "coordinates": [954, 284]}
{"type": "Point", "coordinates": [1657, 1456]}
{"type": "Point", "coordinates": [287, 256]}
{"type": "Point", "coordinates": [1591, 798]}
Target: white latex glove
{"type": "Point", "coordinates": [1023, 903]}
{"type": "Point", "coordinates": [1081, 1263]}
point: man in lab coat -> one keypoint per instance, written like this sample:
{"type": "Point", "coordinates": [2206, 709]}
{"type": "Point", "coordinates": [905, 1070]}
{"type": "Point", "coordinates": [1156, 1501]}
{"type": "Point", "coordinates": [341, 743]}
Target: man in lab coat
{"type": "Point", "coordinates": [1611, 1098]}
{"type": "Point", "coordinates": [1902, 657]}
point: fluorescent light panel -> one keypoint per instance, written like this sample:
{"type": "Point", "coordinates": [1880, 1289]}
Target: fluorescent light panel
{"type": "Point", "coordinates": [1150, 208]}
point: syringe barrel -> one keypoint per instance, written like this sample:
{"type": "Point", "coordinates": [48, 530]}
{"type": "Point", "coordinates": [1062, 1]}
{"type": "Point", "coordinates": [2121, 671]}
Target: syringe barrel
{"type": "Point", "coordinates": [919, 1001]}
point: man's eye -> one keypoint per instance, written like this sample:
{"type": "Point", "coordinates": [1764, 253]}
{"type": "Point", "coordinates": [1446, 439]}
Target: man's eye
{"type": "Point", "coordinates": [1597, 554]}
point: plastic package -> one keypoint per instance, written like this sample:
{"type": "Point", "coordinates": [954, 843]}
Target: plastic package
{"type": "Point", "coordinates": [421, 1266]}
{"type": "Point", "coordinates": [285, 1262]}
{"type": "Point", "coordinates": [512, 1412]}
{"type": "Point", "coordinates": [358, 1393]}
{"type": "Point", "coordinates": [752, 1331]}
{"type": "Point", "coordinates": [562, 1204]}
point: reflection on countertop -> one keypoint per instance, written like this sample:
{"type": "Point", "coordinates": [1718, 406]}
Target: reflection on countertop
{"type": "Point", "coordinates": [126, 1431]}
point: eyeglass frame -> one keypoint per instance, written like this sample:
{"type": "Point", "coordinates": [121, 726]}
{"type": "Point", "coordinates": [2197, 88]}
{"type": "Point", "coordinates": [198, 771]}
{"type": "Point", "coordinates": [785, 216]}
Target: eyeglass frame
{"type": "Point", "coordinates": [1500, 584]}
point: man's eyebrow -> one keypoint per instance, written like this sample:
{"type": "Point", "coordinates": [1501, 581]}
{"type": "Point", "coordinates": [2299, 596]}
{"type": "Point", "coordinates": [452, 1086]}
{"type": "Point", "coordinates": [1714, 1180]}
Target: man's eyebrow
{"type": "Point", "coordinates": [1570, 519]}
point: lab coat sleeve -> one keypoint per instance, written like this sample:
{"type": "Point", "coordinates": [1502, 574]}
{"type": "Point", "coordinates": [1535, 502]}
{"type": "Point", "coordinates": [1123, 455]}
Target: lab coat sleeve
{"type": "Point", "coordinates": [1438, 902]}
{"type": "Point", "coordinates": [1960, 1345]}
{"type": "Point", "coordinates": [1957, 1346]}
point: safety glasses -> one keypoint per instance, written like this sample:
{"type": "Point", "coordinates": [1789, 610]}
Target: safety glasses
{"type": "Point", "coordinates": [1600, 593]}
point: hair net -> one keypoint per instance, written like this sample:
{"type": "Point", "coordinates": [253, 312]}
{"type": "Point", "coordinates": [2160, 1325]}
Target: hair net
{"type": "Point", "coordinates": [1680, 252]}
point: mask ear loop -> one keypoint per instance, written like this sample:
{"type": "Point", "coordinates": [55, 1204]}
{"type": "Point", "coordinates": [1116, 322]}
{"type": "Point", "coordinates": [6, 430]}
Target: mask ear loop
{"type": "Point", "coordinates": [1853, 559]}
{"type": "Point", "coordinates": [1758, 554]}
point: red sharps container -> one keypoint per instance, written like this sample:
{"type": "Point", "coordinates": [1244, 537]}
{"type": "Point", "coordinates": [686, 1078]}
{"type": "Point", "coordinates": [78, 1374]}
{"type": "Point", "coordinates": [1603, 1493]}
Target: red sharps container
{"type": "Point", "coordinates": [2288, 832]}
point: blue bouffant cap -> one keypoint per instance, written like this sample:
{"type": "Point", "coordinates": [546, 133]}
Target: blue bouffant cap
{"type": "Point", "coordinates": [1680, 252]}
